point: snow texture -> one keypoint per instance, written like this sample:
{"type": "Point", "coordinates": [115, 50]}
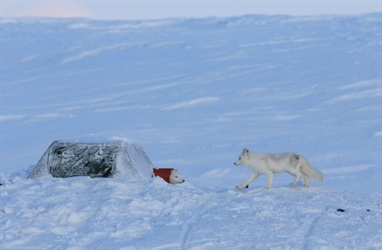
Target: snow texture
{"type": "Point", "coordinates": [194, 93]}
{"type": "Point", "coordinates": [112, 213]}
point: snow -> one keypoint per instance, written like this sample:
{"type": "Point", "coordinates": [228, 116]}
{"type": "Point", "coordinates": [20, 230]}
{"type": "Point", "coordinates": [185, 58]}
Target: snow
{"type": "Point", "coordinates": [105, 213]}
{"type": "Point", "coordinates": [193, 93]}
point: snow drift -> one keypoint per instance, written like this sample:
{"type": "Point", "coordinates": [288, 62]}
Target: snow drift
{"type": "Point", "coordinates": [68, 159]}
{"type": "Point", "coordinates": [109, 213]}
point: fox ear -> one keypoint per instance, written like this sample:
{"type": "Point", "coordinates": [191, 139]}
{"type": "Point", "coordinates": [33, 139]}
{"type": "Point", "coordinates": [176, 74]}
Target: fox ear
{"type": "Point", "coordinates": [245, 151]}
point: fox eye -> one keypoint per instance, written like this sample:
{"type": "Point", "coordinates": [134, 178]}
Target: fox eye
{"type": "Point", "coordinates": [239, 158]}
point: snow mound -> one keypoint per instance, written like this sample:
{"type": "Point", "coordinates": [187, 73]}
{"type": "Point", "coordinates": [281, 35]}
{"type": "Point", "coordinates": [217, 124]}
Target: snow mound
{"type": "Point", "coordinates": [69, 159]}
{"type": "Point", "coordinates": [111, 213]}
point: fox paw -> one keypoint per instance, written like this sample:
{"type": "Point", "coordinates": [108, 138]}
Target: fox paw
{"type": "Point", "coordinates": [239, 187]}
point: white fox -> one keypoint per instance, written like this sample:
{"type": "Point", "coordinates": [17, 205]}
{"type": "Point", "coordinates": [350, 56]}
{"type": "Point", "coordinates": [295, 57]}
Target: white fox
{"type": "Point", "coordinates": [264, 163]}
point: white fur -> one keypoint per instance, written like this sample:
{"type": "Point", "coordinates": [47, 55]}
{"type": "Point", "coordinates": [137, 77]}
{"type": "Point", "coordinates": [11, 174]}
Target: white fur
{"type": "Point", "coordinates": [264, 163]}
{"type": "Point", "coordinates": [175, 177]}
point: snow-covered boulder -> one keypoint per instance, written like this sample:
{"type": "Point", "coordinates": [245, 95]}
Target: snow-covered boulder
{"type": "Point", "coordinates": [68, 159]}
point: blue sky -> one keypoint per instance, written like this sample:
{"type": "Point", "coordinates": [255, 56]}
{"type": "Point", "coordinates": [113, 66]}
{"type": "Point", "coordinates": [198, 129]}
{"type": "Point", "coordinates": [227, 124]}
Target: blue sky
{"type": "Point", "coordinates": [156, 9]}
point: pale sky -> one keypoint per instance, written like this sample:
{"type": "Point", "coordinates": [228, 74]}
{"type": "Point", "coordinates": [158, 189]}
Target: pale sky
{"type": "Point", "coordinates": [158, 9]}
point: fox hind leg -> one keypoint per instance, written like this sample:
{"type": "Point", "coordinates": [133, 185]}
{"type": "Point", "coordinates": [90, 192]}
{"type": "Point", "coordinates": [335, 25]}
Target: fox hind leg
{"type": "Point", "coordinates": [298, 177]}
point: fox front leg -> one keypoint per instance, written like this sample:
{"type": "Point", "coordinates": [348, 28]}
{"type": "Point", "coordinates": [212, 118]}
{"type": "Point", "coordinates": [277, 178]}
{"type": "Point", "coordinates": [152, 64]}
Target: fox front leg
{"type": "Point", "coordinates": [246, 183]}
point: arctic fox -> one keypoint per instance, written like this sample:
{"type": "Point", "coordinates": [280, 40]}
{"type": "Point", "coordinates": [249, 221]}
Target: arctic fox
{"type": "Point", "coordinates": [264, 163]}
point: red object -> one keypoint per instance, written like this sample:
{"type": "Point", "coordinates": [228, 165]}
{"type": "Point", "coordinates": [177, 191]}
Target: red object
{"type": "Point", "coordinates": [164, 173]}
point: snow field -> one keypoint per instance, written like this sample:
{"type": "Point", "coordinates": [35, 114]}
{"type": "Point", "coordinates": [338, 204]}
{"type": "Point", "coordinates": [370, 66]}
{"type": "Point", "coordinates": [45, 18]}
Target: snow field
{"type": "Point", "coordinates": [112, 213]}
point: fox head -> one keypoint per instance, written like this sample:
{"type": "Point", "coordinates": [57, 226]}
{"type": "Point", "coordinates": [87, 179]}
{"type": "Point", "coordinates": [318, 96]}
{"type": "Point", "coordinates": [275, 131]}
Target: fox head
{"type": "Point", "coordinates": [243, 157]}
{"type": "Point", "coordinates": [175, 177]}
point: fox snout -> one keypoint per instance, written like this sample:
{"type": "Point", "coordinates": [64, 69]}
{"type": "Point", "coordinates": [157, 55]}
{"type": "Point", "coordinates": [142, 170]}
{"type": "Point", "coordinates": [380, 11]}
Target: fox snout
{"type": "Point", "coordinates": [180, 181]}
